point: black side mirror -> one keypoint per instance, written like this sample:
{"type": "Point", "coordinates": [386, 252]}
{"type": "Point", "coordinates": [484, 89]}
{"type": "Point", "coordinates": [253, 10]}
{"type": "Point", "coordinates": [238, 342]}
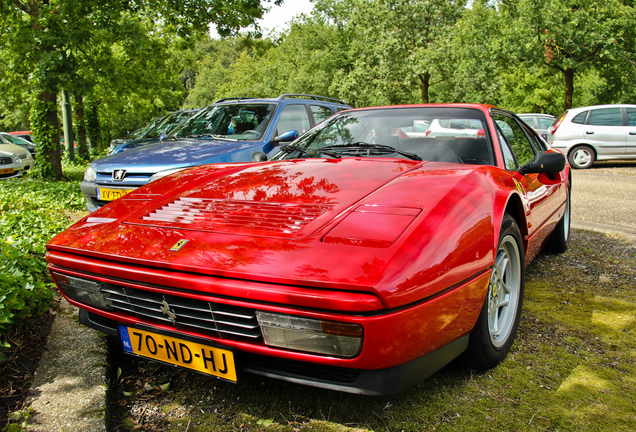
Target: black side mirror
{"type": "Point", "coordinates": [285, 137]}
{"type": "Point", "coordinates": [547, 163]}
{"type": "Point", "coordinates": [259, 157]}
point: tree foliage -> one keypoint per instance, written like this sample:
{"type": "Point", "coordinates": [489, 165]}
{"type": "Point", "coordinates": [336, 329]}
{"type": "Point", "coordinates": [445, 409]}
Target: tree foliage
{"type": "Point", "coordinates": [76, 45]}
{"type": "Point", "coordinates": [573, 38]}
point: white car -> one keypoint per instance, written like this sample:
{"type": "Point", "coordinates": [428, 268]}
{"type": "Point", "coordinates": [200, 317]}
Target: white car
{"type": "Point", "coordinates": [455, 128]}
{"type": "Point", "coordinates": [601, 132]}
{"type": "Point", "coordinates": [14, 160]}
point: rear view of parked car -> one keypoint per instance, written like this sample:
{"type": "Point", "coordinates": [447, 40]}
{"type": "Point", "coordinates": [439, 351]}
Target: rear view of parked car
{"type": "Point", "coordinates": [539, 122]}
{"type": "Point", "coordinates": [595, 133]}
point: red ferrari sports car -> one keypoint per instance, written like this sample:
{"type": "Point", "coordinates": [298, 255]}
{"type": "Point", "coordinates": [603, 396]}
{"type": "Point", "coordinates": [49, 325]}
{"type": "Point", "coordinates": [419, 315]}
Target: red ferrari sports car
{"type": "Point", "coordinates": [362, 257]}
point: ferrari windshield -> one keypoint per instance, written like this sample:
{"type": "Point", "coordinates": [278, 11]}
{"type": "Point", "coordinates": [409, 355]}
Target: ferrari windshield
{"type": "Point", "coordinates": [440, 134]}
{"type": "Point", "coordinates": [237, 121]}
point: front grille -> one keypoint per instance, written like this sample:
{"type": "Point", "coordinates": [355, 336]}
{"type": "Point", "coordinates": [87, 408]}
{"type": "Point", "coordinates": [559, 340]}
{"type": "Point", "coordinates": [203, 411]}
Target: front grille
{"type": "Point", "coordinates": [234, 214]}
{"type": "Point", "coordinates": [5, 160]}
{"type": "Point", "coordinates": [216, 319]}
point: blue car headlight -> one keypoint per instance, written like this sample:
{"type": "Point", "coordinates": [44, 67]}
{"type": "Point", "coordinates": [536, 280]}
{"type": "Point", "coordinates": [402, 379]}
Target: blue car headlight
{"type": "Point", "coordinates": [90, 173]}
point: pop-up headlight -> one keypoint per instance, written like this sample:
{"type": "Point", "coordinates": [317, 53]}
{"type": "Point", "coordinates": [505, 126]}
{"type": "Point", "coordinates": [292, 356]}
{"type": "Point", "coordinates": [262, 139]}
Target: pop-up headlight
{"type": "Point", "coordinates": [311, 335]}
{"type": "Point", "coordinates": [82, 290]}
{"type": "Point", "coordinates": [372, 226]}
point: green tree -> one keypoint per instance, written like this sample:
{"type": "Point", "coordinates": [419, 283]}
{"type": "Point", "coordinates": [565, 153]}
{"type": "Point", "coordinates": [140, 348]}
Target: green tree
{"type": "Point", "coordinates": [395, 47]}
{"type": "Point", "coordinates": [574, 37]}
{"type": "Point", "coordinates": [216, 70]}
{"type": "Point", "coordinates": [46, 39]}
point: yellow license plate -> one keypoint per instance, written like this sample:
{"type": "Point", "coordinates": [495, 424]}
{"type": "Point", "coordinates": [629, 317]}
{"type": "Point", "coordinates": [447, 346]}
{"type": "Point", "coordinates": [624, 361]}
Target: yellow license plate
{"type": "Point", "coordinates": [104, 194]}
{"type": "Point", "coordinates": [191, 355]}
{"type": "Point", "coordinates": [6, 170]}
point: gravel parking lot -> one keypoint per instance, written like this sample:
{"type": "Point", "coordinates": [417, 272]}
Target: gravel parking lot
{"type": "Point", "coordinates": [604, 198]}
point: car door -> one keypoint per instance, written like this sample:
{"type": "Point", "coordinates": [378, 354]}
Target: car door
{"type": "Point", "coordinates": [630, 147]}
{"type": "Point", "coordinates": [540, 198]}
{"type": "Point", "coordinates": [293, 117]}
{"type": "Point", "coordinates": [605, 130]}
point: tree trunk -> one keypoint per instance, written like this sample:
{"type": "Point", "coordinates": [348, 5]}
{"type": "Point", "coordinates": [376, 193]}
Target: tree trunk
{"type": "Point", "coordinates": [82, 148]}
{"type": "Point", "coordinates": [93, 127]}
{"type": "Point", "coordinates": [47, 134]}
{"type": "Point", "coordinates": [569, 88]}
{"type": "Point", "coordinates": [424, 85]}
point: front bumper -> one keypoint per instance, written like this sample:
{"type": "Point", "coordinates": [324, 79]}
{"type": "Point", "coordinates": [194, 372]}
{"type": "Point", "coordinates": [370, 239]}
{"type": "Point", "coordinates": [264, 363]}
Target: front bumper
{"type": "Point", "coordinates": [374, 382]}
{"type": "Point", "coordinates": [401, 346]}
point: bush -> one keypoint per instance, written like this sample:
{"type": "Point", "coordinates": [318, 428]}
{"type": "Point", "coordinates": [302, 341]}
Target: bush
{"type": "Point", "coordinates": [31, 213]}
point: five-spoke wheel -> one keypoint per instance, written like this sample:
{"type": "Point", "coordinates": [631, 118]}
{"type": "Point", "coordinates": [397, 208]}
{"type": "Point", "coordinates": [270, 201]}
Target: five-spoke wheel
{"type": "Point", "coordinates": [493, 335]}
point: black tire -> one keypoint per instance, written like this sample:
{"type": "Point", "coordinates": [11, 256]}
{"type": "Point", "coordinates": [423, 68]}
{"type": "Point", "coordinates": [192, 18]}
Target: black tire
{"type": "Point", "coordinates": [581, 157]}
{"type": "Point", "coordinates": [558, 241]}
{"type": "Point", "coordinates": [493, 335]}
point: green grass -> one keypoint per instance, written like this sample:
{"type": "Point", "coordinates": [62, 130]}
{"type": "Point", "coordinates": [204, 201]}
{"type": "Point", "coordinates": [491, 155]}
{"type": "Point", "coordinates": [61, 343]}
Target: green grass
{"type": "Point", "coordinates": [572, 368]}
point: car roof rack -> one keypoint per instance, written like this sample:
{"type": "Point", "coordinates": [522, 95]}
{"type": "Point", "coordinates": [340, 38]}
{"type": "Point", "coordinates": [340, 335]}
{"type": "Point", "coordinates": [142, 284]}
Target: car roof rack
{"type": "Point", "coordinates": [231, 99]}
{"type": "Point", "coordinates": [307, 96]}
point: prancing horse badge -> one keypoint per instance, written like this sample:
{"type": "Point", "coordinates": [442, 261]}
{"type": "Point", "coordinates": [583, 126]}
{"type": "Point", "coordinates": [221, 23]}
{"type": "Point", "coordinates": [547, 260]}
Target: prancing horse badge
{"type": "Point", "coordinates": [178, 245]}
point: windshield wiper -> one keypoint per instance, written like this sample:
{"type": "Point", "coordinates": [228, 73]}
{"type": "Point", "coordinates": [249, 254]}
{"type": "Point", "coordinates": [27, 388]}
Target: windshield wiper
{"type": "Point", "coordinates": [292, 147]}
{"type": "Point", "coordinates": [209, 135]}
{"type": "Point", "coordinates": [383, 149]}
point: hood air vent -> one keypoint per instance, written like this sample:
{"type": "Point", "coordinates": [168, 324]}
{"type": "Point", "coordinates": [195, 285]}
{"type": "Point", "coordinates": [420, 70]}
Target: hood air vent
{"type": "Point", "coordinates": [235, 215]}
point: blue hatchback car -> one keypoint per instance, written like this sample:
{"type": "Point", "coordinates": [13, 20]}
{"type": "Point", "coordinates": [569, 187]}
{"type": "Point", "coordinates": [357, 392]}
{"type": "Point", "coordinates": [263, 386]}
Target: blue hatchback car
{"type": "Point", "coordinates": [230, 130]}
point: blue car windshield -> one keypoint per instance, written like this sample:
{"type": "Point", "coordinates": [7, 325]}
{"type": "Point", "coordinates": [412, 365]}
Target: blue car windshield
{"type": "Point", "coordinates": [242, 121]}
{"type": "Point", "coordinates": [169, 124]}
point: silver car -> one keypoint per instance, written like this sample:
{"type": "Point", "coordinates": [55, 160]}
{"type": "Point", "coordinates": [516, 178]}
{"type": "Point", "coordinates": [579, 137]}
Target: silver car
{"type": "Point", "coordinates": [539, 122]}
{"type": "Point", "coordinates": [601, 132]}
{"type": "Point", "coordinates": [14, 160]}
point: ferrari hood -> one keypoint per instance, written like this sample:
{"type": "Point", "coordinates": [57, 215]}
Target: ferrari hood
{"type": "Point", "coordinates": [354, 222]}
{"type": "Point", "coordinates": [289, 199]}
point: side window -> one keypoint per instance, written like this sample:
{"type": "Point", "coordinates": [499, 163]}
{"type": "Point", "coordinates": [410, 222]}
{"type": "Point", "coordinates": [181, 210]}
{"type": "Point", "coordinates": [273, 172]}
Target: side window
{"type": "Point", "coordinates": [631, 116]}
{"type": "Point", "coordinates": [544, 122]}
{"type": "Point", "coordinates": [580, 117]}
{"type": "Point", "coordinates": [515, 138]}
{"type": "Point", "coordinates": [320, 112]}
{"type": "Point", "coordinates": [530, 121]}
{"type": "Point", "coordinates": [293, 117]}
{"type": "Point", "coordinates": [606, 117]}
{"type": "Point", "coordinates": [509, 159]}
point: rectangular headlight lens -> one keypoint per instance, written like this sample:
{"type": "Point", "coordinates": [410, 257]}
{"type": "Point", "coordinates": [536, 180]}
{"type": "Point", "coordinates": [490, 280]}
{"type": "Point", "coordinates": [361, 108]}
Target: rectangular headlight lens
{"type": "Point", "coordinates": [310, 335]}
{"type": "Point", "coordinates": [82, 290]}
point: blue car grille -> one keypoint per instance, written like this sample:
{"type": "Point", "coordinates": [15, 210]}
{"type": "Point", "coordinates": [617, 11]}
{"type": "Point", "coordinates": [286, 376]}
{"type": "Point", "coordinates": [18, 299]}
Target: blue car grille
{"type": "Point", "coordinates": [131, 179]}
{"type": "Point", "coordinates": [220, 320]}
